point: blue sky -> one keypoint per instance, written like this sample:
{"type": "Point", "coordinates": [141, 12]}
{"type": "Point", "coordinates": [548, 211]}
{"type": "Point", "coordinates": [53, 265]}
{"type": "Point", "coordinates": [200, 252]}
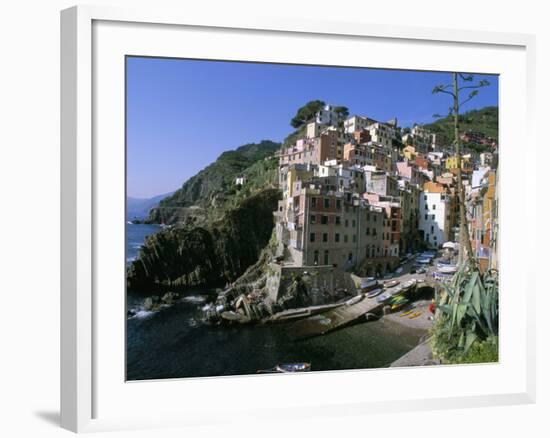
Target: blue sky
{"type": "Point", "coordinates": [182, 114]}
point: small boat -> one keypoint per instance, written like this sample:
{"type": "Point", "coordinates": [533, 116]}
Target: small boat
{"type": "Point", "coordinates": [391, 283]}
{"type": "Point", "coordinates": [404, 287]}
{"type": "Point", "coordinates": [385, 296]}
{"type": "Point", "coordinates": [398, 305]}
{"type": "Point", "coordinates": [408, 312]}
{"type": "Point", "coordinates": [368, 284]}
{"type": "Point", "coordinates": [447, 269]}
{"type": "Point", "coordinates": [298, 367]}
{"type": "Point", "coordinates": [415, 315]}
{"type": "Point", "coordinates": [374, 293]}
{"type": "Point", "coordinates": [354, 300]}
{"type": "Point", "coordinates": [423, 261]}
{"type": "Point", "coordinates": [398, 299]}
{"type": "Point", "coordinates": [293, 367]}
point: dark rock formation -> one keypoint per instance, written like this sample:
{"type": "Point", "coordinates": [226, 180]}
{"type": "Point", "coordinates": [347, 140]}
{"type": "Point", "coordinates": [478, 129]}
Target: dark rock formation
{"type": "Point", "coordinates": [209, 255]}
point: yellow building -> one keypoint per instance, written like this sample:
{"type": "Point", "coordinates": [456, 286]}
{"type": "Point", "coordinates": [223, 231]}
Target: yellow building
{"type": "Point", "coordinates": [451, 163]}
{"type": "Point", "coordinates": [294, 174]}
{"type": "Point", "coordinates": [409, 152]}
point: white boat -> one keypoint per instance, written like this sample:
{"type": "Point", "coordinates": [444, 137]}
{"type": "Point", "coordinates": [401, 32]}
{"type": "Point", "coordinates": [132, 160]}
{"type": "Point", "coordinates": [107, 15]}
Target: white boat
{"type": "Point", "coordinates": [447, 269]}
{"type": "Point", "coordinates": [354, 300]}
{"type": "Point", "coordinates": [403, 287]}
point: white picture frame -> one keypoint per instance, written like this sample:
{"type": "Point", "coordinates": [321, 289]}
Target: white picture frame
{"type": "Point", "coordinates": [87, 403]}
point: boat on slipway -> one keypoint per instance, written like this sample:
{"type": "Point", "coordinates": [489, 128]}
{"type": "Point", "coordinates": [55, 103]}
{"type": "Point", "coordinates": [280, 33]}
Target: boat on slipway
{"type": "Point", "coordinates": [374, 293]}
{"type": "Point", "coordinates": [447, 269]}
{"type": "Point", "coordinates": [403, 287]}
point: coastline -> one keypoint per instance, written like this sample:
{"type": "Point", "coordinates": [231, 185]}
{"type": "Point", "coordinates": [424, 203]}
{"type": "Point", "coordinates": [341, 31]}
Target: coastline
{"type": "Point", "coordinates": [421, 354]}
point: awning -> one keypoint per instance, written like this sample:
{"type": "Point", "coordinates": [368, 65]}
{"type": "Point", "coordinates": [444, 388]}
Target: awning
{"type": "Point", "coordinates": [450, 245]}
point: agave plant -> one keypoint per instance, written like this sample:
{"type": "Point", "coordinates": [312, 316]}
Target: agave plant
{"type": "Point", "coordinates": [467, 309]}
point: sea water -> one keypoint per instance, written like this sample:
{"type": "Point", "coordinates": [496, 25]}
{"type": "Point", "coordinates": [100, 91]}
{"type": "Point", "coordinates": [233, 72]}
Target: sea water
{"type": "Point", "coordinates": [175, 342]}
{"type": "Point", "coordinates": [135, 236]}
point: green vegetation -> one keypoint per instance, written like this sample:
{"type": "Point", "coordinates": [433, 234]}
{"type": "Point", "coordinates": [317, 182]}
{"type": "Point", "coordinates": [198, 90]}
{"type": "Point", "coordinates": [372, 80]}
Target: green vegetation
{"type": "Point", "coordinates": [466, 327]}
{"type": "Point", "coordinates": [218, 228]}
{"type": "Point", "coordinates": [481, 352]}
{"type": "Point", "coordinates": [306, 113]}
{"type": "Point", "coordinates": [484, 120]}
{"type": "Point", "coordinates": [210, 192]}
{"type": "Point", "coordinates": [261, 175]}
{"type": "Point", "coordinates": [291, 138]}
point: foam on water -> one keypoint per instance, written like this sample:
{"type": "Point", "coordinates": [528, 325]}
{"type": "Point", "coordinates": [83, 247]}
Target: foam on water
{"type": "Point", "coordinates": [142, 314]}
{"type": "Point", "coordinates": [198, 299]}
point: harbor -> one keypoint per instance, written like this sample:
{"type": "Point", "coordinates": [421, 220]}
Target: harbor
{"type": "Point", "coordinates": [358, 331]}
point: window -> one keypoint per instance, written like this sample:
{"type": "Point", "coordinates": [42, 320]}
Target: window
{"type": "Point", "coordinates": [368, 231]}
{"type": "Point", "coordinates": [312, 237]}
{"type": "Point", "coordinates": [374, 232]}
{"type": "Point", "coordinates": [314, 202]}
{"type": "Point", "coordinates": [337, 237]}
{"type": "Point", "coordinates": [374, 218]}
{"type": "Point", "coordinates": [338, 220]}
{"type": "Point", "coordinates": [316, 257]}
{"type": "Point", "coordinates": [433, 207]}
{"type": "Point", "coordinates": [432, 230]}
{"type": "Point", "coordinates": [353, 223]}
{"type": "Point", "coordinates": [354, 238]}
{"type": "Point", "coordinates": [326, 257]}
{"type": "Point", "coordinates": [368, 217]}
{"type": "Point", "coordinates": [325, 237]}
{"type": "Point", "coordinates": [324, 220]}
{"type": "Point", "coordinates": [346, 223]}
{"type": "Point", "coordinates": [313, 219]}
{"type": "Point", "coordinates": [345, 238]}
{"type": "Point", "coordinates": [350, 257]}
{"type": "Point", "coordinates": [338, 204]}
{"type": "Point", "coordinates": [425, 217]}
{"type": "Point", "coordinates": [327, 202]}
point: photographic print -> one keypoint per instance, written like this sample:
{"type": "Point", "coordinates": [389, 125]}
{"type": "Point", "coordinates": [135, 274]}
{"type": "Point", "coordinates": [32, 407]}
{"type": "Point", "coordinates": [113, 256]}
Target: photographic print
{"type": "Point", "coordinates": [295, 218]}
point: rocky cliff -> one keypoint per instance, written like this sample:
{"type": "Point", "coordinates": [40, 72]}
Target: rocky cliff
{"type": "Point", "coordinates": [209, 255]}
{"type": "Point", "coordinates": [210, 192]}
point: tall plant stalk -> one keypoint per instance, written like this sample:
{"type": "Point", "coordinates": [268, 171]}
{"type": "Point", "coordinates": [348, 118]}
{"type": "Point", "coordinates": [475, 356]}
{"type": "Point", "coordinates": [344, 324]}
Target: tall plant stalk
{"type": "Point", "coordinates": [465, 243]}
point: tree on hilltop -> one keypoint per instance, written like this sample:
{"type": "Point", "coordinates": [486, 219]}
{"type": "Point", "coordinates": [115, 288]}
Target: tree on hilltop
{"type": "Point", "coordinates": [306, 113]}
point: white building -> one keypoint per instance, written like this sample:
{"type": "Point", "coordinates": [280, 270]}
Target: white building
{"type": "Point", "coordinates": [347, 178]}
{"type": "Point", "coordinates": [420, 138]}
{"type": "Point", "coordinates": [434, 217]}
{"type": "Point", "coordinates": [477, 176]}
{"type": "Point", "coordinates": [486, 159]}
{"type": "Point", "coordinates": [327, 116]}
{"type": "Point", "coordinates": [356, 123]}
{"type": "Point", "coordinates": [381, 134]}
